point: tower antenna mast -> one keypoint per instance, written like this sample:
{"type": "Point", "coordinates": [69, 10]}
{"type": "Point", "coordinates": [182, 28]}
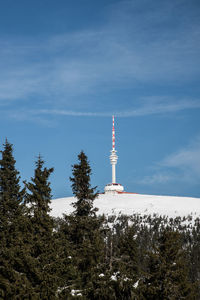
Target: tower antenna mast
{"type": "Point", "coordinates": [113, 134]}
{"type": "Point", "coordinates": [113, 187]}
{"type": "Point", "coordinates": [113, 156]}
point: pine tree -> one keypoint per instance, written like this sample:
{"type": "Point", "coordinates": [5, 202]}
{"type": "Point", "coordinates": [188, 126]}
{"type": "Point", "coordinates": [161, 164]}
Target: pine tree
{"type": "Point", "coordinates": [11, 195]}
{"type": "Point", "coordinates": [127, 265]}
{"type": "Point", "coordinates": [85, 228]}
{"type": "Point", "coordinates": [42, 260]}
{"type": "Point", "coordinates": [66, 271]}
{"type": "Point", "coordinates": [120, 278]}
{"type": "Point", "coordinates": [168, 271]}
{"type": "Point", "coordinates": [39, 199]}
{"type": "Point", "coordinates": [81, 187]}
{"type": "Point", "coordinates": [13, 281]}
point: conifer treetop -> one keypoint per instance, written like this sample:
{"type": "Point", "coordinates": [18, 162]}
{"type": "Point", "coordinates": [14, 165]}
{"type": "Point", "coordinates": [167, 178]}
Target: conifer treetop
{"type": "Point", "coordinates": [10, 191]}
{"type": "Point", "coordinates": [39, 187]}
{"type": "Point", "coordinates": [81, 187]}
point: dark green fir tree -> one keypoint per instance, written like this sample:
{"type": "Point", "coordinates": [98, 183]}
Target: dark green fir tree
{"type": "Point", "coordinates": [13, 281]}
{"type": "Point", "coordinates": [66, 270]}
{"type": "Point", "coordinates": [84, 229]}
{"type": "Point", "coordinates": [42, 270]}
{"type": "Point", "coordinates": [81, 187]}
{"type": "Point", "coordinates": [167, 276]}
{"type": "Point", "coordinates": [127, 265]}
{"type": "Point", "coordinates": [120, 279]}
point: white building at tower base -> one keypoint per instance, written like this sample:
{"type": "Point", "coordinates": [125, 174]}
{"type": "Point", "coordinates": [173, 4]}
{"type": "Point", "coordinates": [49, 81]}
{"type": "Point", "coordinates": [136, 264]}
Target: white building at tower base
{"type": "Point", "coordinates": [113, 188]}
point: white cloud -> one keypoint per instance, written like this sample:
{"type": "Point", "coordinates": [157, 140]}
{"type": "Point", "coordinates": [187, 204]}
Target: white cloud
{"type": "Point", "coordinates": [158, 178]}
{"type": "Point", "coordinates": [182, 166]}
{"type": "Point", "coordinates": [137, 44]}
{"type": "Point", "coordinates": [148, 108]}
{"type": "Point", "coordinates": [157, 106]}
{"type": "Point", "coordinates": [161, 107]}
{"type": "Point", "coordinates": [187, 160]}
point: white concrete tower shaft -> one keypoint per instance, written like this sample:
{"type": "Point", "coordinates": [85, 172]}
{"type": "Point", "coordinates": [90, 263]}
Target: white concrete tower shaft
{"type": "Point", "coordinates": [113, 156]}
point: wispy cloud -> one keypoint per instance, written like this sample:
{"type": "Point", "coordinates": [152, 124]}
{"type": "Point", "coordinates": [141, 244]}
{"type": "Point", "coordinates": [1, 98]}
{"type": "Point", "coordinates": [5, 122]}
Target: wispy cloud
{"type": "Point", "coordinates": [187, 160]}
{"type": "Point", "coordinates": [50, 116]}
{"type": "Point", "coordinates": [136, 45]}
{"type": "Point", "coordinates": [160, 108]}
{"type": "Point", "coordinates": [155, 179]}
{"type": "Point", "coordinates": [149, 108]}
{"type": "Point", "coordinates": [182, 166]}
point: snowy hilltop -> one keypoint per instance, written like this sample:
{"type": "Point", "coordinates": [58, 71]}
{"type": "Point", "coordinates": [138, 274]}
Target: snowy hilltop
{"type": "Point", "coordinates": [128, 204]}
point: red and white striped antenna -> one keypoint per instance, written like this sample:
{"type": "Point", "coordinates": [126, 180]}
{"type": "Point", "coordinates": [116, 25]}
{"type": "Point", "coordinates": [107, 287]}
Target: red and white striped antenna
{"type": "Point", "coordinates": [113, 187]}
{"type": "Point", "coordinates": [113, 134]}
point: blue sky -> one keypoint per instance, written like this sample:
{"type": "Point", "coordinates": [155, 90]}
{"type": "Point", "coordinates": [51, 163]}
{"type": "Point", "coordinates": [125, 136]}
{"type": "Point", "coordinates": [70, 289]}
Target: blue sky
{"type": "Point", "coordinates": [67, 66]}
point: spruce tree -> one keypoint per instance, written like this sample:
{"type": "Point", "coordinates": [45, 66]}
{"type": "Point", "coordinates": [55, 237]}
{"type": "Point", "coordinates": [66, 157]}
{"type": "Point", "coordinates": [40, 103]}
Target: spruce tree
{"type": "Point", "coordinates": [11, 195]}
{"type": "Point", "coordinates": [168, 271]}
{"type": "Point", "coordinates": [85, 228]}
{"type": "Point", "coordinates": [120, 277]}
{"type": "Point", "coordinates": [66, 271]}
{"type": "Point", "coordinates": [42, 261]}
{"type": "Point", "coordinates": [39, 198]}
{"type": "Point", "coordinates": [13, 281]}
{"type": "Point", "coordinates": [81, 187]}
{"type": "Point", "coordinates": [127, 265]}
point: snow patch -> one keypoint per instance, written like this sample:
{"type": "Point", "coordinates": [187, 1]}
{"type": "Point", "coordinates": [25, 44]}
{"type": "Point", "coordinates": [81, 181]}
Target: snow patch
{"type": "Point", "coordinates": [76, 293]}
{"type": "Point", "coordinates": [136, 284]}
{"type": "Point", "coordinates": [129, 204]}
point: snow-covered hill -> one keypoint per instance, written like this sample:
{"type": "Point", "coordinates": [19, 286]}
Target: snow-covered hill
{"type": "Point", "coordinates": [127, 203]}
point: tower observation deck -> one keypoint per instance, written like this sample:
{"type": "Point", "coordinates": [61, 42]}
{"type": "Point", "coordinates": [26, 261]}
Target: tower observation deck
{"type": "Point", "coordinates": [113, 187]}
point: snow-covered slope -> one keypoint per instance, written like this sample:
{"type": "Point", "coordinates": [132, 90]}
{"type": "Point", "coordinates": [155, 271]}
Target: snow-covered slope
{"type": "Point", "coordinates": [128, 204]}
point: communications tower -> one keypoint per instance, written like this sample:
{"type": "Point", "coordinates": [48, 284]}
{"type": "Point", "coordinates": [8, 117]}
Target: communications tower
{"type": "Point", "coordinates": [113, 187]}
